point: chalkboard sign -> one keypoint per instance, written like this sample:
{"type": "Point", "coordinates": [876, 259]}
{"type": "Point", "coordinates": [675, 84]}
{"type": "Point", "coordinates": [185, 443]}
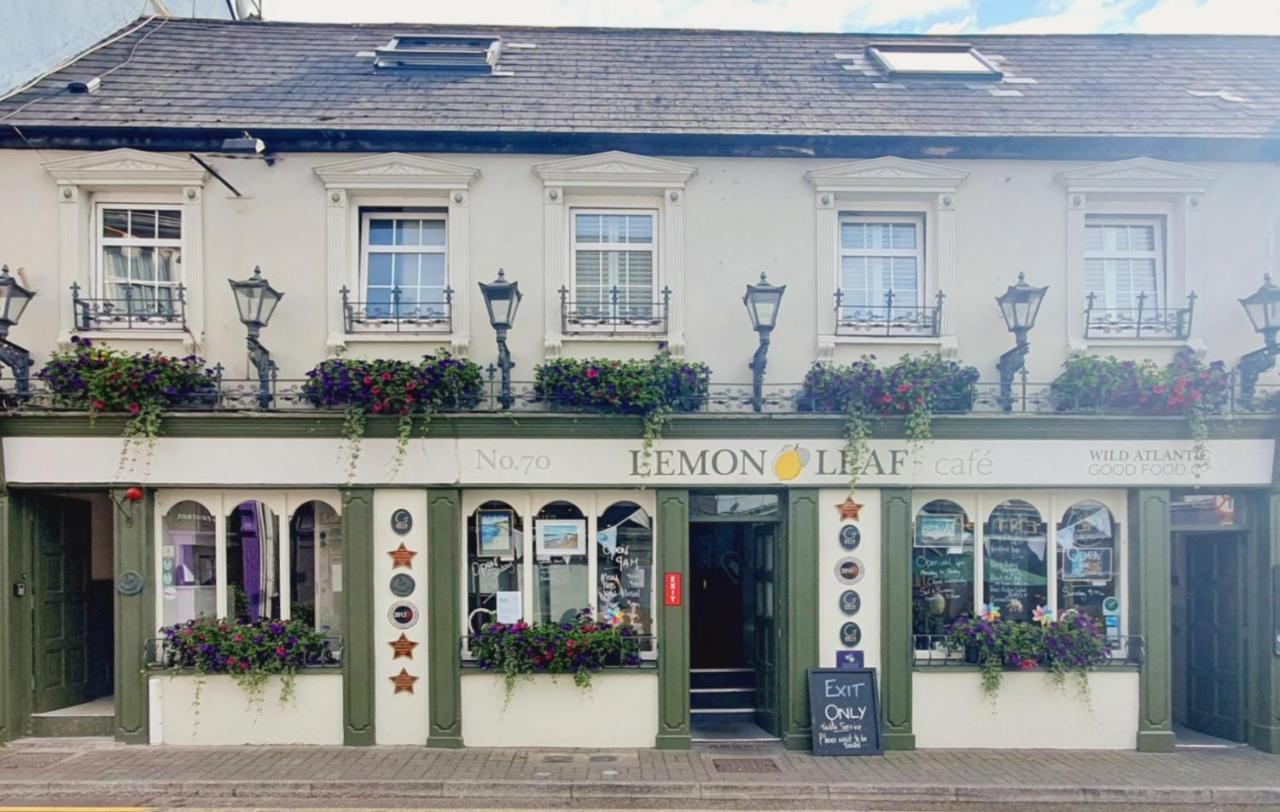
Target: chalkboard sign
{"type": "Point", "coordinates": [844, 712]}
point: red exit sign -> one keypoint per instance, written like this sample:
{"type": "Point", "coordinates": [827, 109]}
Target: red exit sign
{"type": "Point", "coordinates": [672, 589]}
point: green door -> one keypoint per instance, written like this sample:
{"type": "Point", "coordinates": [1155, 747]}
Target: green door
{"type": "Point", "coordinates": [1215, 636]}
{"type": "Point", "coordinates": [60, 599]}
{"type": "Point", "coordinates": [763, 542]}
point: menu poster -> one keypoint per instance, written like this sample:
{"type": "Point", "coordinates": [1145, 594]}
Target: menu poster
{"type": "Point", "coordinates": [1015, 577]}
{"type": "Point", "coordinates": [623, 581]}
{"type": "Point", "coordinates": [941, 587]}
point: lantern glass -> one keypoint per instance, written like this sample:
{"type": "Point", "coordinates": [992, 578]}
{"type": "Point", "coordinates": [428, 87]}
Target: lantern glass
{"type": "Point", "coordinates": [255, 299]}
{"type": "Point", "coordinates": [501, 299]}
{"type": "Point", "coordinates": [14, 299]}
{"type": "Point", "coordinates": [1020, 305]}
{"type": "Point", "coordinates": [1263, 306]}
{"type": "Point", "coordinates": [763, 301]}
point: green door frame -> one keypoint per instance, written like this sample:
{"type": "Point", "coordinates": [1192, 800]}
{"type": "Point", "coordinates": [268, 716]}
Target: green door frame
{"type": "Point", "coordinates": [15, 617]}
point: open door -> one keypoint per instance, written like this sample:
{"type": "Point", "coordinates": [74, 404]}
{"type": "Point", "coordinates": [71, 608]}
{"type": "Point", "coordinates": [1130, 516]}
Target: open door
{"type": "Point", "coordinates": [60, 587]}
{"type": "Point", "coordinates": [1215, 642]}
{"type": "Point", "coordinates": [763, 541]}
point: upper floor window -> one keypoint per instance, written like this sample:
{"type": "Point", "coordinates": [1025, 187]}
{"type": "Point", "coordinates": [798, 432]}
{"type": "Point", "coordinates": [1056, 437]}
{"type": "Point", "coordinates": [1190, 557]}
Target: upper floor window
{"type": "Point", "coordinates": [138, 269]}
{"type": "Point", "coordinates": [880, 284]}
{"type": "Point", "coordinates": [1124, 260]}
{"type": "Point", "coordinates": [403, 273]}
{"type": "Point", "coordinates": [614, 284]}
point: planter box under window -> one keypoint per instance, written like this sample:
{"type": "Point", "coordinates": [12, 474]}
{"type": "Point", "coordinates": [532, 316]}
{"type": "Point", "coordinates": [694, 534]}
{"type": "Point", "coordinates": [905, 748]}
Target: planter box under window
{"type": "Point", "coordinates": [226, 717]}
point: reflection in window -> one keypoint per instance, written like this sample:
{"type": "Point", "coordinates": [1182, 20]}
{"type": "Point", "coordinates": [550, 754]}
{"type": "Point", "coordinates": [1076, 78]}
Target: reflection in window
{"type": "Point", "coordinates": [253, 589]}
{"type": "Point", "coordinates": [495, 550]}
{"type": "Point", "coordinates": [1087, 563]}
{"type": "Point", "coordinates": [315, 564]}
{"type": "Point", "coordinates": [1015, 568]}
{"type": "Point", "coordinates": [1203, 510]}
{"type": "Point", "coordinates": [733, 505]}
{"type": "Point", "coordinates": [941, 569]}
{"type": "Point", "coordinates": [624, 568]}
{"type": "Point", "coordinates": [560, 588]}
{"type": "Point", "coordinates": [188, 564]}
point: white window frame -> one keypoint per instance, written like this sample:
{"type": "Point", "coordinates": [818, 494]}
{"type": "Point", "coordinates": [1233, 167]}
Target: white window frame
{"type": "Point", "coordinates": [361, 286]}
{"type": "Point", "coordinates": [919, 253]}
{"type": "Point", "coordinates": [1052, 506]}
{"type": "Point", "coordinates": [655, 295]}
{"type": "Point", "coordinates": [1158, 253]}
{"type": "Point", "coordinates": [100, 286]}
{"type": "Point", "coordinates": [527, 504]}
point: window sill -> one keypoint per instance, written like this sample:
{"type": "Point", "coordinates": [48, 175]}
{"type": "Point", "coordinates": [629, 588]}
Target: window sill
{"type": "Point", "coordinates": [945, 345]}
{"type": "Point", "coordinates": [607, 336]}
{"type": "Point", "coordinates": [1125, 343]}
{"type": "Point", "coordinates": [187, 340]}
{"type": "Point", "coordinates": [457, 343]}
{"type": "Point", "coordinates": [968, 668]}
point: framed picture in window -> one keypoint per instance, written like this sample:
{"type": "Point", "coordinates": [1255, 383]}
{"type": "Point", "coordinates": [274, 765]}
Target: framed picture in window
{"type": "Point", "coordinates": [939, 531]}
{"type": "Point", "coordinates": [561, 537]}
{"type": "Point", "coordinates": [494, 530]}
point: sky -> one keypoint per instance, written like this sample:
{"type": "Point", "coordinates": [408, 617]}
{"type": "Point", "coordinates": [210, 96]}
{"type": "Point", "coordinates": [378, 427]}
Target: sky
{"type": "Point", "coordinates": [886, 16]}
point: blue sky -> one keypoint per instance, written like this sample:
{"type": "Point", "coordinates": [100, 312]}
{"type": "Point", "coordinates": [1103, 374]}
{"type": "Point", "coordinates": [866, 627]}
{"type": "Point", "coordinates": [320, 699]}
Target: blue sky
{"type": "Point", "coordinates": [910, 16]}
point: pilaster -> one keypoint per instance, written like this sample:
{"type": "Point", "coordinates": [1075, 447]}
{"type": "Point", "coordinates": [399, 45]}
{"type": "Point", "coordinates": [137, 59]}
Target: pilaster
{"type": "Point", "coordinates": [798, 603]}
{"type": "Point", "coordinates": [134, 531]}
{"type": "Point", "coordinates": [1149, 543]}
{"type": "Point", "coordinates": [444, 591]}
{"type": "Point", "coordinates": [673, 623]}
{"type": "Point", "coordinates": [895, 620]}
{"type": "Point", "coordinates": [358, 667]}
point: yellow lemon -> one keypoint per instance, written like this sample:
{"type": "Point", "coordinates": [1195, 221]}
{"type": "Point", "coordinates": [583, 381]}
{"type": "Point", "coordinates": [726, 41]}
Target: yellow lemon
{"type": "Point", "coordinates": [788, 464]}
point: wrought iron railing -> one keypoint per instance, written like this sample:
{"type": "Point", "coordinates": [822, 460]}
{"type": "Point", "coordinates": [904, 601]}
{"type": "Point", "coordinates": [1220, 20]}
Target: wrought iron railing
{"type": "Point", "coordinates": [164, 308]}
{"type": "Point", "coordinates": [1145, 320]}
{"type": "Point", "coordinates": [932, 651]}
{"type": "Point", "coordinates": [399, 315]}
{"type": "Point", "coordinates": [890, 319]}
{"type": "Point", "coordinates": [160, 652]}
{"type": "Point", "coordinates": [616, 314]}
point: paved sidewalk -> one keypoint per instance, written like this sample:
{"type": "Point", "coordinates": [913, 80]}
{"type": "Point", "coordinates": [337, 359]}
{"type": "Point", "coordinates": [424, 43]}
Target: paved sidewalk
{"type": "Point", "coordinates": [35, 770]}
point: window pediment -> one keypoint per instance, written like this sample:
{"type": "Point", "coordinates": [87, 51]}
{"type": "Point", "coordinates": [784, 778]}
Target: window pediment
{"type": "Point", "coordinates": [887, 174]}
{"type": "Point", "coordinates": [1139, 175]}
{"type": "Point", "coordinates": [396, 170]}
{"type": "Point", "coordinates": [615, 168]}
{"type": "Point", "coordinates": [127, 167]}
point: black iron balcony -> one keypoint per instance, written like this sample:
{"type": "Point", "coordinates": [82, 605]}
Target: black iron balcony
{"type": "Point", "coordinates": [1142, 321]}
{"type": "Point", "coordinates": [889, 319]}
{"type": "Point", "coordinates": [398, 315]}
{"type": "Point", "coordinates": [158, 308]}
{"type": "Point", "coordinates": [614, 314]}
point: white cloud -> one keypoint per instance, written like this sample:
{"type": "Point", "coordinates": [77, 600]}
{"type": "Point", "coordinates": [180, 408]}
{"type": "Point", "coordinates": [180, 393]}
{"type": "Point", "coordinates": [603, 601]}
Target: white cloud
{"type": "Point", "coordinates": [1074, 17]}
{"type": "Point", "coordinates": [774, 15]}
{"type": "Point", "coordinates": [960, 25]}
{"type": "Point", "coordinates": [1210, 17]}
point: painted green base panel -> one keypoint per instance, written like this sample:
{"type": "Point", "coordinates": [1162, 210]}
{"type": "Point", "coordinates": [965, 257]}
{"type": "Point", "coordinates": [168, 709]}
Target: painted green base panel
{"type": "Point", "coordinates": [795, 741]}
{"type": "Point", "coordinates": [1265, 738]}
{"type": "Point", "coordinates": [672, 743]}
{"type": "Point", "coordinates": [1155, 741]}
{"type": "Point", "coordinates": [445, 742]}
{"type": "Point", "coordinates": [67, 726]}
{"type": "Point", "coordinates": [898, 741]}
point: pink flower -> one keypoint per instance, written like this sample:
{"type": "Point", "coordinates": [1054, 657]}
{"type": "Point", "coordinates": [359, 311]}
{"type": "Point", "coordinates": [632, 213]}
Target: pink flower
{"type": "Point", "coordinates": [239, 638]}
{"type": "Point", "coordinates": [593, 373]}
{"type": "Point", "coordinates": [134, 408]}
{"type": "Point", "coordinates": [280, 651]}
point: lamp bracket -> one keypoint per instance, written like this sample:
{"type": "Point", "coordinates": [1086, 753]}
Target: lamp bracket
{"type": "Point", "coordinates": [19, 360]}
{"type": "Point", "coordinates": [1253, 364]}
{"type": "Point", "coordinates": [127, 514]}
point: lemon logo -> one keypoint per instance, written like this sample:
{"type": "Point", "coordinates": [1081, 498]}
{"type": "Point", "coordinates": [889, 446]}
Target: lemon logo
{"type": "Point", "coordinates": [790, 462]}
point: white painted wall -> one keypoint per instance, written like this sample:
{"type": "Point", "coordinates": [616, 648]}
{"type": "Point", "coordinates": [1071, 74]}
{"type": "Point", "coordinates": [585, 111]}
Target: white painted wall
{"type": "Point", "coordinates": [225, 716]}
{"type": "Point", "coordinates": [830, 618]}
{"type": "Point", "coordinates": [401, 718]}
{"type": "Point", "coordinates": [619, 710]}
{"type": "Point", "coordinates": [741, 216]}
{"type": "Point", "coordinates": [949, 711]}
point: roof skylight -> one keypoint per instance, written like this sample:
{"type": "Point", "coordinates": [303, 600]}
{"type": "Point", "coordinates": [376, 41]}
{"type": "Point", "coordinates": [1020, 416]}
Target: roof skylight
{"type": "Point", "coordinates": [441, 52]}
{"type": "Point", "coordinates": [911, 59]}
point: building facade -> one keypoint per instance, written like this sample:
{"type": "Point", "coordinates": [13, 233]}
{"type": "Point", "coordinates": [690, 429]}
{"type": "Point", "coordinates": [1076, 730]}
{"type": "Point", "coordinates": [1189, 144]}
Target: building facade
{"type": "Point", "coordinates": [633, 183]}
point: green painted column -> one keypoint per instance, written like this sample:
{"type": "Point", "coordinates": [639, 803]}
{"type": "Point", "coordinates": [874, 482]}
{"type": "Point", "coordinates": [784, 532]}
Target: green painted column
{"type": "Point", "coordinates": [797, 603]}
{"type": "Point", "coordinates": [1264, 670]}
{"type": "Point", "coordinates": [135, 619]}
{"type": "Point", "coordinates": [357, 598]}
{"type": "Point", "coordinates": [1150, 557]}
{"type": "Point", "coordinates": [444, 590]}
{"type": "Point", "coordinates": [895, 619]}
{"type": "Point", "coordinates": [13, 668]}
{"type": "Point", "coordinates": [673, 622]}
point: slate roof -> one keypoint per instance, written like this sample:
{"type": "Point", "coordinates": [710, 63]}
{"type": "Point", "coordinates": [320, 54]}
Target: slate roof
{"type": "Point", "coordinates": [262, 75]}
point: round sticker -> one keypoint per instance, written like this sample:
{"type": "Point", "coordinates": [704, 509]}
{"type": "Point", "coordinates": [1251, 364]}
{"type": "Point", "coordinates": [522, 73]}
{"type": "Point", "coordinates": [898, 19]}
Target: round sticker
{"type": "Point", "coordinates": [131, 583]}
{"type": "Point", "coordinates": [850, 634]}
{"type": "Point", "coordinates": [402, 585]}
{"type": "Point", "coordinates": [170, 593]}
{"type": "Point", "coordinates": [401, 521]}
{"type": "Point", "coordinates": [1111, 605]}
{"type": "Point", "coordinates": [850, 537]}
{"type": "Point", "coordinates": [849, 570]}
{"type": "Point", "coordinates": [403, 615]}
{"type": "Point", "coordinates": [850, 602]}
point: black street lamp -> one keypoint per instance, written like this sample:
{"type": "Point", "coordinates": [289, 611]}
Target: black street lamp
{"type": "Point", "coordinates": [14, 299]}
{"type": "Point", "coordinates": [502, 299]}
{"type": "Point", "coordinates": [762, 301]}
{"type": "Point", "coordinates": [256, 300]}
{"type": "Point", "coordinates": [1263, 308]}
{"type": "Point", "coordinates": [1019, 305]}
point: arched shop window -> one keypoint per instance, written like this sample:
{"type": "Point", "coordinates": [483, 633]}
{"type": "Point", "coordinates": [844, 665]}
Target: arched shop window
{"type": "Point", "coordinates": [941, 570]}
{"type": "Point", "coordinates": [561, 587]}
{"type": "Point", "coordinates": [495, 552]}
{"type": "Point", "coordinates": [624, 567]}
{"type": "Point", "coordinates": [253, 583]}
{"type": "Point", "coordinates": [1088, 562]}
{"type": "Point", "coordinates": [1015, 566]}
{"type": "Point", "coordinates": [315, 566]}
{"type": "Point", "coordinates": [188, 564]}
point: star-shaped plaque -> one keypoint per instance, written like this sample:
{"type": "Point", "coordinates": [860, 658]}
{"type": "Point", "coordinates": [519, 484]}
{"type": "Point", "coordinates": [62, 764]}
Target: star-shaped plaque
{"type": "Point", "coordinates": [849, 509]}
{"type": "Point", "coordinates": [403, 681]}
{"type": "Point", "coordinates": [402, 556]}
{"type": "Point", "coordinates": [403, 647]}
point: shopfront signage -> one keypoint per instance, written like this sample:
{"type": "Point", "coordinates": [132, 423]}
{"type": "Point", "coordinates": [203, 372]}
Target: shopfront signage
{"type": "Point", "coordinates": [850, 602]}
{"type": "Point", "coordinates": [403, 615]}
{"type": "Point", "coordinates": [401, 522]}
{"type": "Point", "coordinates": [849, 570]}
{"type": "Point", "coordinates": [850, 634]}
{"type": "Point", "coordinates": [844, 712]}
{"type": "Point", "coordinates": [850, 537]}
{"type": "Point", "coordinates": [672, 589]}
